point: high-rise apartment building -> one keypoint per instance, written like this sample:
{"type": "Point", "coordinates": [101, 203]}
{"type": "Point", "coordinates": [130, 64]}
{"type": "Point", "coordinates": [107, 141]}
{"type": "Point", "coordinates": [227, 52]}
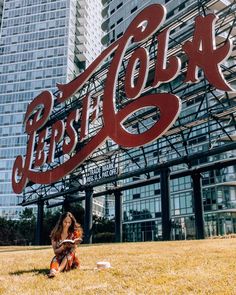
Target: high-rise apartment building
{"type": "Point", "coordinates": [42, 42]}
{"type": "Point", "coordinates": [1, 8]}
{"type": "Point", "coordinates": [142, 208]}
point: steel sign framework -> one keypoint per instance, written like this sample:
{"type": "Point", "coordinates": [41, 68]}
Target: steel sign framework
{"type": "Point", "coordinates": [116, 103]}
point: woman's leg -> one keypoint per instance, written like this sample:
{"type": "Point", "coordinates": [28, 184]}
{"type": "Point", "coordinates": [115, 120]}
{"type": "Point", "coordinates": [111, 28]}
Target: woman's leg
{"type": "Point", "coordinates": [76, 263]}
{"type": "Point", "coordinates": [70, 261]}
{"type": "Point", "coordinates": [54, 266]}
{"type": "Point", "coordinates": [63, 264]}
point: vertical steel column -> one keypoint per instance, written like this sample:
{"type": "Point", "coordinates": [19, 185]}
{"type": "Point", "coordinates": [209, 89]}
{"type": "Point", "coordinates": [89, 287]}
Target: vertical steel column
{"type": "Point", "coordinates": [118, 216]}
{"type": "Point", "coordinates": [165, 204]}
{"type": "Point", "coordinates": [39, 225]}
{"type": "Point", "coordinates": [88, 217]}
{"type": "Point", "coordinates": [198, 205]}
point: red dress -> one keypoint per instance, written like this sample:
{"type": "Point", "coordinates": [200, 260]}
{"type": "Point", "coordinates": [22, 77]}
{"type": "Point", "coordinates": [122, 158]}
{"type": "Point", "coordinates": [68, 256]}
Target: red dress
{"type": "Point", "coordinates": [70, 254]}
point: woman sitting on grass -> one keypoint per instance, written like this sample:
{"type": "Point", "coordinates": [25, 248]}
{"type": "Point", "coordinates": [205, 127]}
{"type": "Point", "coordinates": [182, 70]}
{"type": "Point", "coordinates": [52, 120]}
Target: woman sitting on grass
{"type": "Point", "coordinates": [65, 257]}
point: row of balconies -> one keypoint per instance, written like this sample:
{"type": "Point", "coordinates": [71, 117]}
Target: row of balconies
{"type": "Point", "coordinates": [216, 6]}
{"type": "Point", "coordinates": [221, 4]}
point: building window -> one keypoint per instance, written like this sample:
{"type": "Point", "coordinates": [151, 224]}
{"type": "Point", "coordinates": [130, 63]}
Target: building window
{"type": "Point", "coordinates": [134, 9]}
{"type": "Point", "coordinates": [136, 196]}
{"type": "Point", "coordinates": [119, 35]}
{"type": "Point", "coordinates": [118, 6]}
{"type": "Point", "coordinates": [157, 191]}
{"type": "Point", "coordinates": [170, 14]}
{"type": "Point", "coordinates": [119, 20]}
{"type": "Point", "coordinates": [182, 6]}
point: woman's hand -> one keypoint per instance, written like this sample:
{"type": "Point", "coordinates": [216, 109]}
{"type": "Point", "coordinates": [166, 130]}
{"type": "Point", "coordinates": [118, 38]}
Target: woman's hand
{"type": "Point", "coordinates": [68, 246]}
{"type": "Point", "coordinates": [56, 249]}
{"type": "Point", "coordinates": [63, 247]}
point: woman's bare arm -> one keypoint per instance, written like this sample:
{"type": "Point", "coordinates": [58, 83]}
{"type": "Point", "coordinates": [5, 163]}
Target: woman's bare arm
{"type": "Point", "coordinates": [55, 249]}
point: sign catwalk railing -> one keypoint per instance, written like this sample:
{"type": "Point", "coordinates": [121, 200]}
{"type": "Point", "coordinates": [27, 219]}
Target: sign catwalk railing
{"type": "Point", "coordinates": [201, 52]}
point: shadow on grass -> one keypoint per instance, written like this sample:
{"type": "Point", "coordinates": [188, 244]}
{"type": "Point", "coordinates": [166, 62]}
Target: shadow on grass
{"type": "Point", "coordinates": [43, 271]}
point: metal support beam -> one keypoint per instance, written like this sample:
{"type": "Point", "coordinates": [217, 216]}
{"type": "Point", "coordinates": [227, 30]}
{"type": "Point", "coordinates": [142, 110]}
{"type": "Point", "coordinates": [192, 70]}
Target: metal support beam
{"type": "Point", "coordinates": [198, 205]}
{"type": "Point", "coordinates": [39, 225]}
{"type": "Point", "coordinates": [88, 217]}
{"type": "Point", "coordinates": [157, 168]}
{"type": "Point", "coordinates": [165, 204]}
{"type": "Point", "coordinates": [118, 216]}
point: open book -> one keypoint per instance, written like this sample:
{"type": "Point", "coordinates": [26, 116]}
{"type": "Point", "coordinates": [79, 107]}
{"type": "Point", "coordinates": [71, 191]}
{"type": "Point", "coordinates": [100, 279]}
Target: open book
{"type": "Point", "coordinates": [68, 241]}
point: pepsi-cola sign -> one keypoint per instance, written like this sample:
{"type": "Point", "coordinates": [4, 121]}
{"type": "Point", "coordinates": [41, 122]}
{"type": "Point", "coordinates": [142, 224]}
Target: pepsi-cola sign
{"type": "Point", "coordinates": [201, 52]}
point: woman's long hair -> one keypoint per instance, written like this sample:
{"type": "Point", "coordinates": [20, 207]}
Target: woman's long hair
{"type": "Point", "coordinates": [75, 226]}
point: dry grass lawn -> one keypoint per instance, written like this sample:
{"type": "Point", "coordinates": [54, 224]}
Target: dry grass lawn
{"type": "Point", "coordinates": [180, 267]}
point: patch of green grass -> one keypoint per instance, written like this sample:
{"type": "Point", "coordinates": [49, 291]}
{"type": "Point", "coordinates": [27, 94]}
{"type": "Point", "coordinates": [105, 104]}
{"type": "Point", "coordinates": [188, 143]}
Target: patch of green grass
{"type": "Point", "coordinates": [180, 267]}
